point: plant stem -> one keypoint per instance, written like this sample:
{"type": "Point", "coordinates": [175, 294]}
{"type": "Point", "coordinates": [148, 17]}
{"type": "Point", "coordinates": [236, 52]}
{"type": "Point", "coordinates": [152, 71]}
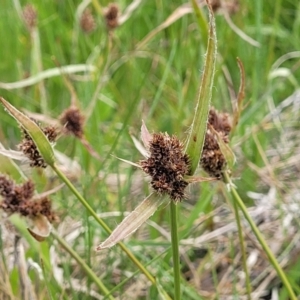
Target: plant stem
{"type": "Point", "coordinates": [101, 222]}
{"type": "Point", "coordinates": [259, 237]}
{"type": "Point", "coordinates": [243, 249]}
{"type": "Point", "coordinates": [175, 250]}
{"type": "Point", "coordinates": [81, 262]}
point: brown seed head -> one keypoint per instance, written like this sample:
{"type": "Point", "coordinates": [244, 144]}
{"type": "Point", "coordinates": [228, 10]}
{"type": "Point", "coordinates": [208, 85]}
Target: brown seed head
{"type": "Point", "coordinates": [87, 21]}
{"type": "Point", "coordinates": [111, 16]}
{"type": "Point", "coordinates": [30, 16]}
{"type": "Point", "coordinates": [6, 187]}
{"type": "Point", "coordinates": [212, 160]}
{"type": "Point", "coordinates": [231, 6]}
{"type": "Point", "coordinates": [28, 147]}
{"type": "Point", "coordinates": [167, 166]}
{"type": "Point", "coordinates": [72, 120]}
{"type": "Point", "coordinates": [18, 199]}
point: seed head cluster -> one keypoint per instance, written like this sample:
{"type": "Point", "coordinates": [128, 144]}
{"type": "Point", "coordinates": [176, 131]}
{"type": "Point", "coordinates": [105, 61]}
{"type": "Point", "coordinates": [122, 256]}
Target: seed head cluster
{"type": "Point", "coordinates": [30, 16]}
{"type": "Point", "coordinates": [30, 150]}
{"type": "Point", "coordinates": [18, 199]}
{"type": "Point", "coordinates": [87, 21]}
{"type": "Point", "coordinates": [167, 165]}
{"type": "Point", "coordinates": [212, 160]}
{"type": "Point", "coordinates": [72, 120]}
{"type": "Point", "coordinates": [111, 16]}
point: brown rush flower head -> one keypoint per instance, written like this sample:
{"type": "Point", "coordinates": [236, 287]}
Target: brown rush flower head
{"type": "Point", "coordinates": [30, 16]}
{"type": "Point", "coordinates": [72, 120]}
{"type": "Point", "coordinates": [111, 16]}
{"type": "Point", "coordinates": [167, 165]}
{"type": "Point", "coordinates": [212, 160]}
{"type": "Point", "coordinates": [87, 21]}
{"type": "Point", "coordinates": [18, 199]}
{"type": "Point", "coordinates": [30, 150]}
{"type": "Point", "coordinates": [231, 6]}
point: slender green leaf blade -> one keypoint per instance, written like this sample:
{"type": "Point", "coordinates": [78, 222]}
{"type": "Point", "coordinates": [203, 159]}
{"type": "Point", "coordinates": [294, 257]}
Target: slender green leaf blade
{"type": "Point", "coordinates": [199, 125]}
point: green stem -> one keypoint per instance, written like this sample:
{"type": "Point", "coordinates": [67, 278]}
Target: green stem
{"type": "Point", "coordinates": [259, 237]}
{"type": "Point", "coordinates": [175, 250]}
{"type": "Point", "coordinates": [243, 249]}
{"type": "Point", "coordinates": [81, 262]}
{"type": "Point", "coordinates": [102, 223]}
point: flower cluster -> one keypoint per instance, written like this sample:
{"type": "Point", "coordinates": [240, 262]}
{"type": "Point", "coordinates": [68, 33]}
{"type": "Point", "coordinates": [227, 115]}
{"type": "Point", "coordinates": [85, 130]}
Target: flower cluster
{"type": "Point", "coordinates": [72, 120]}
{"type": "Point", "coordinates": [18, 199]}
{"type": "Point", "coordinates": [87, 21]}
{"type": "Point", "coordinates": [30, 16]}
{"type": "Point", "coordinates": [111, 16]}
{"type": "Point", "coordinates": [212, 160]}
{"type": "Point", "coordinates": [167, 165]}
{"type": "Point", "coordinates": [30, 150]}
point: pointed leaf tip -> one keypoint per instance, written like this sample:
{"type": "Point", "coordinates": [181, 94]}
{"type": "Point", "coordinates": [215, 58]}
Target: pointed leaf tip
{"type": "Point", "coordinates": [35, 132]}
{"type": "Point", "coordinates": [198, 128]}
{"type": "Point", "coordinates": [145, 135]}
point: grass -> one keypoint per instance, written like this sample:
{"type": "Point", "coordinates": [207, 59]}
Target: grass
{"type": "Point", "coordinates": [157, 82]}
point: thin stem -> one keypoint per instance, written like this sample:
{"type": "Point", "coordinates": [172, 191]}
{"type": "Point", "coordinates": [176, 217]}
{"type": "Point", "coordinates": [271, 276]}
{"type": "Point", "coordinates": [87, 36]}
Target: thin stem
{"type": "Point", "coordinates": [260, 238]}
{"type": "Point", "coordinates": [102, 223]}
{"type": "Point", "coordinates": [175, 250]}
{"type": "Point", "coordinates": [243, 249]}
{"type": "Point", "coordinates": [81, 262]}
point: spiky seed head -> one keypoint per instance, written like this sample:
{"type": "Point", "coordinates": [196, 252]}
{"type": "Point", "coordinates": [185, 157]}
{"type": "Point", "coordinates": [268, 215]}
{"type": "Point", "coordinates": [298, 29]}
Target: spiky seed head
{"type": "Point", "coordinates": [111, 16]}
{"type": "Point", "coordinates": [72, 120]}
{"type": "Point", "coordinates": [30, 16]}
{"type": "Point", "coordinates": [212, 160]}
{"type": "Point", "coordinates": [167, 165]}
{"type": "Point", "coordinates": [87, 21]}
{"type": "Point", "coordinates": [30, 150]}
{"type": "Point", "coordinates": [18, 199]}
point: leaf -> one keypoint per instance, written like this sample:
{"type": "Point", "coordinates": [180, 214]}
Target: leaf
{"type": "Point", "coordinates": [134, 220]}
{"type": "Point", "coordinates": [37, 135]}
{"type": "Point", "coordinates": [198, 129]}
{"type": "Point", "coordinates": [47, 74]}
{"type": "Point", "coordinates": [138, 145]}
{"type": "Point", "coordinates": [241, 95]}
{"type": "Point", "coordinates": [41, 229]}
{"type": "Point", "coordinates": [202, 22]}
{"type": "Point", "coordinates": [145, 135]}
{"type": "Point", "coordinates": [177, 14]}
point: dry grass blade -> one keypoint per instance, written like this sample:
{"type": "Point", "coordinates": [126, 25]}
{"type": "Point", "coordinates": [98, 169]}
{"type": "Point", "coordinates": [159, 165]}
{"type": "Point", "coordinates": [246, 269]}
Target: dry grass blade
{"type": "Point", "coordinates": [133, 221]}
{"type": "Point", "coordinates": [177, 14]}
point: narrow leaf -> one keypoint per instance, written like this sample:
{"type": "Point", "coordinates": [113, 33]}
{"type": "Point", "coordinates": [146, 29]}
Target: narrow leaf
{"type": "Point", "coordinates": [133, 221]}
{"type": "Point", "coordinates": [201, 20]}
{"type": "Point", "coordinates": [41, 229]}
{"type": "Point", "coordinates": [37, 135]}
{"type": "Point", "coordinates": [145, 135]}
{"type": "Point", "coordinates": [138, 145]}
{"type": "Point", "coordinates": [198, 128]}
{"type": "Point", "coordinates": [241, 95]}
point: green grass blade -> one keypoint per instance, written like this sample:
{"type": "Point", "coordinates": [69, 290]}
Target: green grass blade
{"type": "Point", "coordinates": [198, 128]}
